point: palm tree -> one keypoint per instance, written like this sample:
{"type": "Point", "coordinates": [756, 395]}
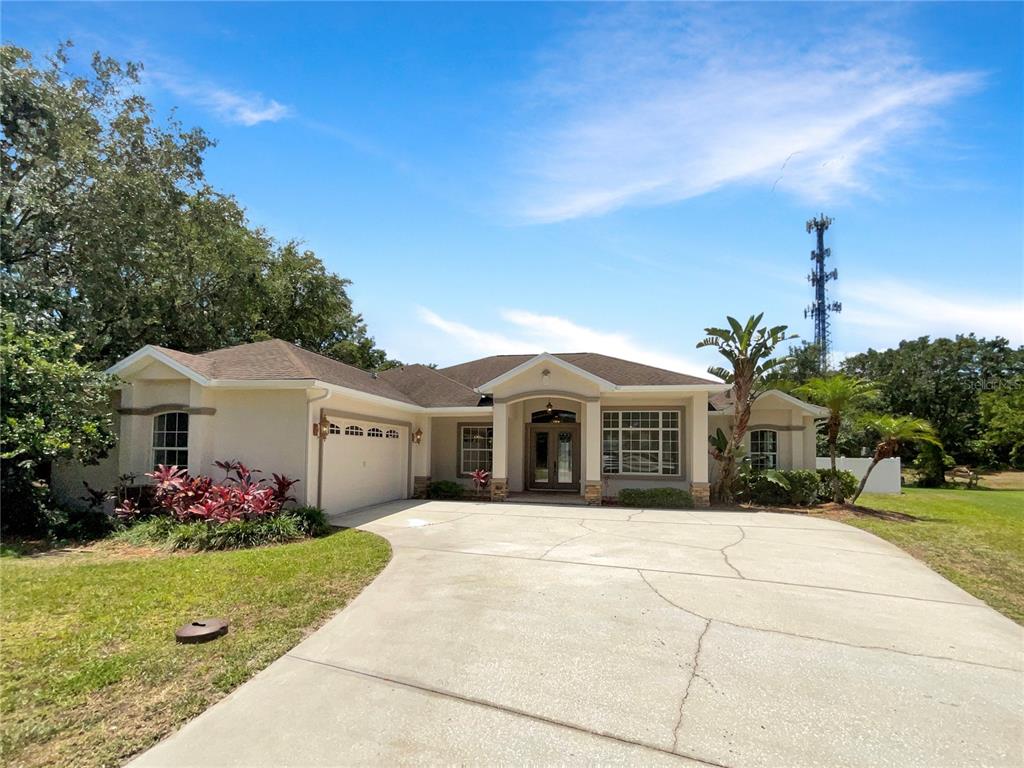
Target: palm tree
{"type": "Point", "coordinates": [749, 350]}
{"type": "Point", "coordinates": [840, 394]}
{"type": "Point", "coordinates": [894, 431]}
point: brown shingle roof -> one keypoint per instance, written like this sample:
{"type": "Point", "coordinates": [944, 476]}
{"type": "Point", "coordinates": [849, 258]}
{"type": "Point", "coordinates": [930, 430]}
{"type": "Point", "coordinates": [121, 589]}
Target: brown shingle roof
{"type": "Point", "coordinates": [428, 387]}
{"type": "Point", "coordinates": [415, 384]}
{"type": "Point", "coordinates": [277, 359]}
{"type": "Point", "coordinates": [613, 369]}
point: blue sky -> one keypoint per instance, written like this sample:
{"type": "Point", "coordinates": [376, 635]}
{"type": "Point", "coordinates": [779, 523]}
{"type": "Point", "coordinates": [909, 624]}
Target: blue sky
{"type": "Point", "coordinates": [610, 178]}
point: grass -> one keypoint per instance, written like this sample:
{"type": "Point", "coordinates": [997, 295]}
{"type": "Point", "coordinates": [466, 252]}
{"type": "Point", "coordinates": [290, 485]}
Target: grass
{"type": "Point", "coordinates": [973, 538]}
{"type": "Point", "coordinates": [90, 671]}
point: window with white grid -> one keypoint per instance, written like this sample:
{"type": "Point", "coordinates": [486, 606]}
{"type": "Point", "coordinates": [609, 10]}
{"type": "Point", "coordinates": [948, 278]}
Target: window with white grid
{"type": "Point", "coordinates": [764, 449]}
{"type": "Point", "coordinates": [476, 444]}
{"type": "Point", "coordinates": [354, 431]}
{"type": "Point", "coordinates": [170, 439]}
{"type": "Point", "coordinates": [375, 432]}
{"type": "Point", "coordinates": [640, 443]}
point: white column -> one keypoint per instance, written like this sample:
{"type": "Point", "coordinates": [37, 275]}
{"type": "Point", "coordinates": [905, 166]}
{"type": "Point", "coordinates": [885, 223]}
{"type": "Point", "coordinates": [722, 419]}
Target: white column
{"type": "Point", "coordinates": [125, 443]}
{"type": "Point", "coordinates": [499, 453]}
{"type": "Point", "coordinates": [421, 451]}
{"type": "Point", "coordinates": [698, 416]}
{"type": "Point", "coordinates": [592, 441]}
{"type": "Point", "coordinates": [809, 436]}
{"type": "Point", "coordinates": [592, 490]}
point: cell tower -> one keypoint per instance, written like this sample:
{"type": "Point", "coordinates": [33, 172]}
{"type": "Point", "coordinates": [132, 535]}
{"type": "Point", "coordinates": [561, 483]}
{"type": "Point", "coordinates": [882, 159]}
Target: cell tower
{"type": "Point", "coordinates": [819, 278]}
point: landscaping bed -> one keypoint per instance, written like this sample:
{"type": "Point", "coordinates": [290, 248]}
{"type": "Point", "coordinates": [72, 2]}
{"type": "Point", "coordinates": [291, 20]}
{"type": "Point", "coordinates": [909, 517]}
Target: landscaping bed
{"type": "Point", "coordinates": [91, 673]}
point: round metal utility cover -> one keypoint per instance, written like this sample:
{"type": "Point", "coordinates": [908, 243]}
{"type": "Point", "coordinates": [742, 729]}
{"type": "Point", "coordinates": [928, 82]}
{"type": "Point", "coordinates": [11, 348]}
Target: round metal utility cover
{"type": "Point", "coordinates": [201, 631]}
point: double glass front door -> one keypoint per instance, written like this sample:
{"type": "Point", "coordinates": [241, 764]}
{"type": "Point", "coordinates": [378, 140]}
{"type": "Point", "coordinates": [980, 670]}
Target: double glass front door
{"type": "Point", "coordinates": [553, 457]}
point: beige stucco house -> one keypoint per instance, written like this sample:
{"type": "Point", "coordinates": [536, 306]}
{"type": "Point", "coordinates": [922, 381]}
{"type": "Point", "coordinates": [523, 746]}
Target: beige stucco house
{"type": "Point", "coordinates": [583, 425]}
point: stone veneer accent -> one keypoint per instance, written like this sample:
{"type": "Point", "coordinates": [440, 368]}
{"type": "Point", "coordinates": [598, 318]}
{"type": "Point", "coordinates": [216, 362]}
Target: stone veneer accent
{"type": "Point", "coordinates": [592, 494]}
{"type": "Point", "coordinates": [701, 493]}
{"type": "Point", "coordinates": [419, 486]}
{"type": "Point", "coordinates": [499, 488]}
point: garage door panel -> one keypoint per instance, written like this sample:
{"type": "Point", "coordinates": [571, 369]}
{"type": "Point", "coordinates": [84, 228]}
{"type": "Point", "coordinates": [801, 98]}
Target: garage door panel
{"type": "Point", "coordinates": [365, 463]}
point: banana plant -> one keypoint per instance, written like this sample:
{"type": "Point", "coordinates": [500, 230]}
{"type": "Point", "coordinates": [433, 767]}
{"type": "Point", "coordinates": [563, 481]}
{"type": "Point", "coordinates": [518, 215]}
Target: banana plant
{"type": "Point", "coordinates": [749, 349]}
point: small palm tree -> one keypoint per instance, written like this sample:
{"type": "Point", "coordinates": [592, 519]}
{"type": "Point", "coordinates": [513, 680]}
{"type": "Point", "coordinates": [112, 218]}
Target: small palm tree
{"type": "Point", "coordinates": [840, 394]}
{"type": "Point", "coordinates": [894, 431]}
{"type": "Point", "coordinates": [749, 349]}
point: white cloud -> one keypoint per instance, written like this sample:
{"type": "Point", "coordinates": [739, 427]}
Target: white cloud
{"type": "Point", "coordinates": [531, 333]}
{"type": "Point", "coordinates": [243, 108]}
{"type": "Point", "coordinates": [890, 310]}
{"type": "Point", "coordinates": [656, 104]}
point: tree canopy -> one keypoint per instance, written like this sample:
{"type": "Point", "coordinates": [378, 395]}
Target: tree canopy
{"type": "Point", "coordinates": [942, 381]}
{"type": "Point", "coordinates": [110, 229]}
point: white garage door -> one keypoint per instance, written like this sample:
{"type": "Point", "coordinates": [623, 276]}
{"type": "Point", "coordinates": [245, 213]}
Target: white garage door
{"type": "Point", "coordinates": [364, 463]}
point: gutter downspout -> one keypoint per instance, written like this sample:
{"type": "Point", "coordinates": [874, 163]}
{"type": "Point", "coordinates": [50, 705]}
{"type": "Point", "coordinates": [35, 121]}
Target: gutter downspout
{"type": "Point", "coordinates": [321, 436]}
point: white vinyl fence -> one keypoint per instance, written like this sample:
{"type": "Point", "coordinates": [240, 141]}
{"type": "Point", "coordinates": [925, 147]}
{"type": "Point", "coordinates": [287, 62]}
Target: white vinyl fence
{"type": "Point", "coordinates": [885, 478]}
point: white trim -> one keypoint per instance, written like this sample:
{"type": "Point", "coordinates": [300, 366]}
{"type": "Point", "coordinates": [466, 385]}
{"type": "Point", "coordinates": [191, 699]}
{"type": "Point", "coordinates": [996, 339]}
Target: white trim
{"type": "Point", "coordinates": [458, 410]}
{"type": "Point", "coordinates": [156, 354]}
{"type": "Point", "coordinates": [544, 357]}
{"type": "Point", "coordinates": [265, 384]}
{"type": "Point", "coordinates": [709, 387]}
{"type": "Point", "coordinates": [815, 410]}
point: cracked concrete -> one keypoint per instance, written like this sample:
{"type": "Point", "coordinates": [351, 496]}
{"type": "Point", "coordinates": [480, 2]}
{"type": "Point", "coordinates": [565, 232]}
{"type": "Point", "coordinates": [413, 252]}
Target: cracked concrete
{"type": "Point", "coordinates": [509, 635]}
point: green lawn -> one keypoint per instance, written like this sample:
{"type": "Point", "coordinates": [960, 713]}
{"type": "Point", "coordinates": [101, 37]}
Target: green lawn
{"type": "Point", "coordinates": [973, 538]}
{"type": "Point", "coordinates": [91, 672]}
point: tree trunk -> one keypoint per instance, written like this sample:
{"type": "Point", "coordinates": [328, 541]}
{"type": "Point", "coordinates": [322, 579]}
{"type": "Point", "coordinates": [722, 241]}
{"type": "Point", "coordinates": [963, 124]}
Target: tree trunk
{"type": "Point", "coordinates": [727, 479]}
{"type": "Point", "coordinates": [837, 489]}
{"type": "Point", "coordinates": [864, 480]}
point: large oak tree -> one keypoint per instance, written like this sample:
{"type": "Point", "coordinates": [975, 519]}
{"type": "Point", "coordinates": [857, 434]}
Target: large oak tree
{"type": "Point", "coordinates": [110, 229]}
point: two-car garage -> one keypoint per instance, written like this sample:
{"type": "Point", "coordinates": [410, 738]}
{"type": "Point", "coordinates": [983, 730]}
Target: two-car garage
{"type": "Point", "coordinates": [364, 462]}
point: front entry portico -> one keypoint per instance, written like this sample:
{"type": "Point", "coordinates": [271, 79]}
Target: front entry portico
{"type": "Point", "coordinates": [553, 457]}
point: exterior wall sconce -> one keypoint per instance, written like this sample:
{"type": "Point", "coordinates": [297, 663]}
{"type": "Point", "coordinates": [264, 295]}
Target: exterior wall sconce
{"type": "Point", "coordinates": [548, 407]}
{"type": "Point", "coordinates": [417, 436]}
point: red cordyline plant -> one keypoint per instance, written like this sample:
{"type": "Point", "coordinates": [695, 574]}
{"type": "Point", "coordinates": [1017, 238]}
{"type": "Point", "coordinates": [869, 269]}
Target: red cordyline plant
{"type": "Point", "coordinates": [240, 496]}
{"type": "Point", "coordinates": [480, 479]}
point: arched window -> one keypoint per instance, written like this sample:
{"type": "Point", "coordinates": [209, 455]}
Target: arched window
{"type": "Point", "coordinates": [353, 430]}
{"type": "Point", "coordinates": [374, 432]}
{"type": "Point", "coordinates": [392, 433]}
{"type": "Point", "coordinates": [553, 416]}
{"type": "Point", "coordinates": [333, 429]}
{"type": "Point", "coordinates": [764, 449]}
{"type": "Point", "coordinates": [170, 439]}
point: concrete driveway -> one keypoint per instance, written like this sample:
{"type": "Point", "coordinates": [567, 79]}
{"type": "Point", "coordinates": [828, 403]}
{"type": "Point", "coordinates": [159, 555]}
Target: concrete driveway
{"type": "Point", "coordinates": [520, 634]}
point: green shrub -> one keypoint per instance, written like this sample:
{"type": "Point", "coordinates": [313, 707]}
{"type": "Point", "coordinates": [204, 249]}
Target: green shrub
{"type": "Point", "coordinates": [153, 530]}
{"type": "Point", "coordinates": [445, 489]}
{"type": "Point", "coordinates": [278, 529]}
{"type": "Point", "coordinates": [312, 520]}
{"type": "Point", "coordinates": [787, 487]}
{"type": "Point", "coordinates": [242, 534]}
{"type": "Point", "coordinates": [847, 483]}
{"type": "Point", "coordinates": [656, 498]}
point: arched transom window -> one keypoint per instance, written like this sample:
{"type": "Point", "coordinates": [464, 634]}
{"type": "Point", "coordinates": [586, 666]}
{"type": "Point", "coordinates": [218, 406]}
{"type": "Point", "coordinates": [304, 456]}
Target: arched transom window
{"type": "Point", "coordinates": [170, 439]}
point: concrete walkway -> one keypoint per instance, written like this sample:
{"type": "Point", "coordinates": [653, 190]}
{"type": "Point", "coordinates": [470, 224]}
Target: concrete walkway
{"type": "Point", "coordinates": [521, 634]}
